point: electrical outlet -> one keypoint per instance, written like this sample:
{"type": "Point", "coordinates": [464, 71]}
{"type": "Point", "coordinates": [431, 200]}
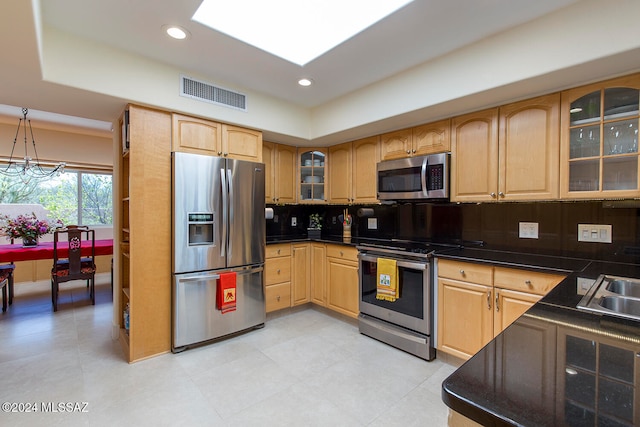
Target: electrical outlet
{"type": "Point", "coordinates": [583, 285]}
{"type": "Point", "coordinates": [528, 230]}
{"type": "Point", "coordinates": [294, 221]}
{"type": "Point", "coordinates": [599, 233]}
{"type": "Point", "coordinates": [372, 223]}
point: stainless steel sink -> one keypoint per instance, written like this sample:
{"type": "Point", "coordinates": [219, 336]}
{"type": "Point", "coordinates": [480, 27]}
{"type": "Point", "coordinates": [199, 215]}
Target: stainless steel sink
{"type": "Point", "coordinates": [615, 296]}
{"type": "Point", "coordinates": [626, 287]}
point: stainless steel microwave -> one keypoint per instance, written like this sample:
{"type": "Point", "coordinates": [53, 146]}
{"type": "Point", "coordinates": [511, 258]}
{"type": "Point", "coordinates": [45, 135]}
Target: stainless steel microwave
{"type": "Point", "coordinates": [414, 178]}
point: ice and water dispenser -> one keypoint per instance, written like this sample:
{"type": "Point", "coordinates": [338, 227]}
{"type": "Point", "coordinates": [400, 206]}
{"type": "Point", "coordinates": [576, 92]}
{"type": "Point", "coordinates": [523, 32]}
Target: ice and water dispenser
{"type": "Point", "coordinates": [201, 226]}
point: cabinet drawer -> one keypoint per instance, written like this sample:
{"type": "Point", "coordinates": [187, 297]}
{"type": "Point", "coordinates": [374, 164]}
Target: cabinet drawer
{"type": "Point", "coordinates": [280, 249]}
{"type": "Point", "coordinates": [466, 271]}
{"type": "Point", "coordinates": [343, 252]}
{"type": "Point", "coordinates": [277, 270]}
{"type": "Point", "coordinates": [525, 281]}
{"type": "Point", "coordinates": [278, 296]}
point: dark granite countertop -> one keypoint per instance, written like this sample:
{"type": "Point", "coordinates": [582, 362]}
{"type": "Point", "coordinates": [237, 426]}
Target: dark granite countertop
{"type": "Point", "coordinates": [556, 365]}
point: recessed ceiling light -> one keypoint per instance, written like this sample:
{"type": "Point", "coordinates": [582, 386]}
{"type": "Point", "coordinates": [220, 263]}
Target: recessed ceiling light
{"type": "Point", "coordinates": [296, 31]}
{"type": "Point", "coordinates": [305, 82]}
{"type": "Point", "coordinates": [176, 32]}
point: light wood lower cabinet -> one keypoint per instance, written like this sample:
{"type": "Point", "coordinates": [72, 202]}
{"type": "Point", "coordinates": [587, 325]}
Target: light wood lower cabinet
{"type": "Point", "coordinates": [319, 274]}
{"type": "Point", "coordinates": [278, 277]}
{"type": "Point", "coordinates": [342, 279]}
{"type": "Point", "coordinates": [465, 319]}
{"type": "Point", "coordinates": [301, 273]}
{"type": "Point", "coordinates": [477, 302]}
{"type": "Point", "coordinates": [324, 274]}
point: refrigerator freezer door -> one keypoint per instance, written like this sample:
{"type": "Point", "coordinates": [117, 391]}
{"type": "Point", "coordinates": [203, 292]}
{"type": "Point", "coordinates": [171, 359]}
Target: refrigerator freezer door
{"type": "Point", "coordinates": [195, 315]}
{"type": "Point", "coordinates": [247, 225]}
{"type": "Point", "coordinates": [197, 195]}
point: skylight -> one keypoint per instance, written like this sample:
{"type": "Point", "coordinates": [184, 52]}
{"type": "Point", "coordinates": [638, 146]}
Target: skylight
{"type": "Point", "coordinates": [296, 30]}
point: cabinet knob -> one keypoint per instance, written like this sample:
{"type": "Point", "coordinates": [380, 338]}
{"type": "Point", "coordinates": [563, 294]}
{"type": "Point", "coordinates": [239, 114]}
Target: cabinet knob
{"type": "Point", "coordinates": [278, 271]}
{"type": "Point", "coordinates": [489, 300]}
{"type": "Point", "coordinates": [341, 253]}
{"type": "Point", "coordinates": [278, 298]}
{"type": "Point", "coordinates": [462, 272]}
{"type": "Point", "coordinates": [501, 194]}
{"type": "Point", "coordinates": [408, 151]}
{"type": "Point", "coordinates": [219, 153]}
{"type": "Point", "coordinates": [278, 251]}
{"type": "Point", "coordinates": [528, 283]}
{"type": "Point", "coordinates": [413, 151]}
{"type": "Point", "coordinates": [493, 195]}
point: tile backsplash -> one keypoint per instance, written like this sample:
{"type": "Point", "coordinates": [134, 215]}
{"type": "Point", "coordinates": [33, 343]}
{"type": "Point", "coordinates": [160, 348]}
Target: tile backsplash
{"type": "Point", "coordinates": [494, 225]}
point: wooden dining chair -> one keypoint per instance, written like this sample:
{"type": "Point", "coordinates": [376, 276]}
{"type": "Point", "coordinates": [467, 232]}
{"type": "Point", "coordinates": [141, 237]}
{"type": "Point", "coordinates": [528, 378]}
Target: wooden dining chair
{"type": "Point", "coordinates": [6, 272]}
{"type": "Point", "coordinates": [68, 262]}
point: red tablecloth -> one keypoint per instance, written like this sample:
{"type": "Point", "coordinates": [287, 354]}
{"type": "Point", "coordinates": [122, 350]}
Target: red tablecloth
{"type": "Point", "coordinates": [44, 250]}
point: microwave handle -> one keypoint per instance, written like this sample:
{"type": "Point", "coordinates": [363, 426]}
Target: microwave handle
{"type": "Point", "coordinates": [423, 175]}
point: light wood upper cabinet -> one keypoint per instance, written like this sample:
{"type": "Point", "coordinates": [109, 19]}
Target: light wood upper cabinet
{"type": "Point", "coordinates": [352, 172]}
{"type": "Point", "coordinates": [508, 154]}
{"type": "Point", "coordinates": [474, 157]}
{"type": "Point", "coordinates": [312, 175]}
{"type": "Point", "coordinates": [365, 158]}
{"type": "Point", "coordinates": [432, 138]}
{"type": "Point", "coordinates": [599, 140]}
{"type": "Point", "coordinates": [193, 135]}
{"type": "Point", "coordinates": [241, 144]}
{"type": "Point", "coordinates": [418, 141]}
{"type": "Point", "coordinates": [340, 173]}
{"type": "Point", "coordinates": [529, 149]}
{"type": "Point", "coordinates": [268, 157]}
{"type": "Point", "coordinates": [199, 136]}
{"type": "Point", "coordinates": [396, 145]}
{"type": "Point", "coordinates": [280, 172]}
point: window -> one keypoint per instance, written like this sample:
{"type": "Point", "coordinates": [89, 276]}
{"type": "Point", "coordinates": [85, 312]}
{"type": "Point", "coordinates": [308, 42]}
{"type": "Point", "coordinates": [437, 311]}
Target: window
{"type": "Point", "coordinates": [75, 197]}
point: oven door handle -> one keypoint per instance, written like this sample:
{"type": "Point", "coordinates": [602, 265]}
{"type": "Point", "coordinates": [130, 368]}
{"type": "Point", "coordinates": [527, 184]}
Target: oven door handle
{"type": "Point", "coordinates": [405, 264]}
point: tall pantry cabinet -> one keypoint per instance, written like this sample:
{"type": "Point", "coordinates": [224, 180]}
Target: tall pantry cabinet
{"type": "Point", "coordinates": [144, 255]}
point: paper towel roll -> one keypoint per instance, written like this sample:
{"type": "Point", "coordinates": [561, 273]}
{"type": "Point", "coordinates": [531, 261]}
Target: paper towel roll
{"type": "Point", "coordinates": [365, 212]}
{"type": "Point", "coordinates": [268, 213]}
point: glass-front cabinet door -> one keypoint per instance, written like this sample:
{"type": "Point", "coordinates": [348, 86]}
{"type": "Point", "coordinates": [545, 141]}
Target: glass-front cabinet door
{"type": "Point", "coordinates": [600, 140]}
{"type": "Point", "coordinates": [311, 182]}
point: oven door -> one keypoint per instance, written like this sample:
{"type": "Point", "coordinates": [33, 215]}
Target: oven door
{"type": "Point", "coordinates": [413, 309]}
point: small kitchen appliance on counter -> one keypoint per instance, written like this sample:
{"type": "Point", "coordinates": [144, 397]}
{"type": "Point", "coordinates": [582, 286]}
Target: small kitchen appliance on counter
{"type": "Point", "coordinates": [218, 248]}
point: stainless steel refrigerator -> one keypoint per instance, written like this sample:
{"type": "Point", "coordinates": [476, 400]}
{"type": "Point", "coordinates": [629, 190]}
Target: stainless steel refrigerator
{"type": "Point", "coordinates": [218, 226]}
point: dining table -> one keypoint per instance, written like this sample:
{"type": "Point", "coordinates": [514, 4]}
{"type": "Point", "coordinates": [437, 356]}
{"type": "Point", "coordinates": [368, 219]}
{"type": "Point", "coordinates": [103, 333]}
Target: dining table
{"type": "Point", "coordinates": [44, 250]}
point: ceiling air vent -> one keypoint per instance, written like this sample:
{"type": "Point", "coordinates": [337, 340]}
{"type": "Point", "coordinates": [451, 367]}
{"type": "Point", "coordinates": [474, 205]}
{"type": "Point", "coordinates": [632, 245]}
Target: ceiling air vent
{"type": "Point", "coordinates": [206, 92]}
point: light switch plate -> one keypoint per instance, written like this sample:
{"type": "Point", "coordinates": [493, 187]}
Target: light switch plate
{"type": "Point", "coordinates": [294, 221]}
{"type": "Point", "coordinates": [372, 223]}
{"type": "Point", "coordinates": [598, 233]}
{"type": "Point", "coordinates": [528, 230]}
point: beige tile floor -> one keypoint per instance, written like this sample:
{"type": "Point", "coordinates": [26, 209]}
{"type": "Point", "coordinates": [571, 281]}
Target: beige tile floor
{"type": "Point", "coordinates": [306, 367]}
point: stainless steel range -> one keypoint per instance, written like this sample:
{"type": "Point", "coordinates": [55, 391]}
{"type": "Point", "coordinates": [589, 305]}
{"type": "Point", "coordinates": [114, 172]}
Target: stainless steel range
{"type": "Point", "coordinates": [408, 322]}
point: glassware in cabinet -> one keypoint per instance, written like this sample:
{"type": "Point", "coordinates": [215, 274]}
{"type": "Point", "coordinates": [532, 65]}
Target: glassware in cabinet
{"type": "Point", "coordinates": [312, 176]}
{"type": "Point", "coordinates": [603, 138]}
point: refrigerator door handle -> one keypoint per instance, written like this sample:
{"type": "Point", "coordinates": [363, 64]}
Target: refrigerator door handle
{"type": "Point", "coordinates": [199, 278]}
{"type": "Point", "coordinates": [231, 213]}
{"type": "Point", "coordinates": [225, 208]}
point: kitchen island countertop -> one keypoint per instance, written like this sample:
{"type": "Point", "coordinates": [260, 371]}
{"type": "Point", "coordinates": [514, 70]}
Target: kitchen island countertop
{"type": "Point", "coordinates": [555, 365]}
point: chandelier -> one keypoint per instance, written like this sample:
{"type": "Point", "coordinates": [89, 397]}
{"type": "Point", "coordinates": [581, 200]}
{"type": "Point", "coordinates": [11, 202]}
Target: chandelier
{"type": "Point", "coordinates": [27, 169]}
